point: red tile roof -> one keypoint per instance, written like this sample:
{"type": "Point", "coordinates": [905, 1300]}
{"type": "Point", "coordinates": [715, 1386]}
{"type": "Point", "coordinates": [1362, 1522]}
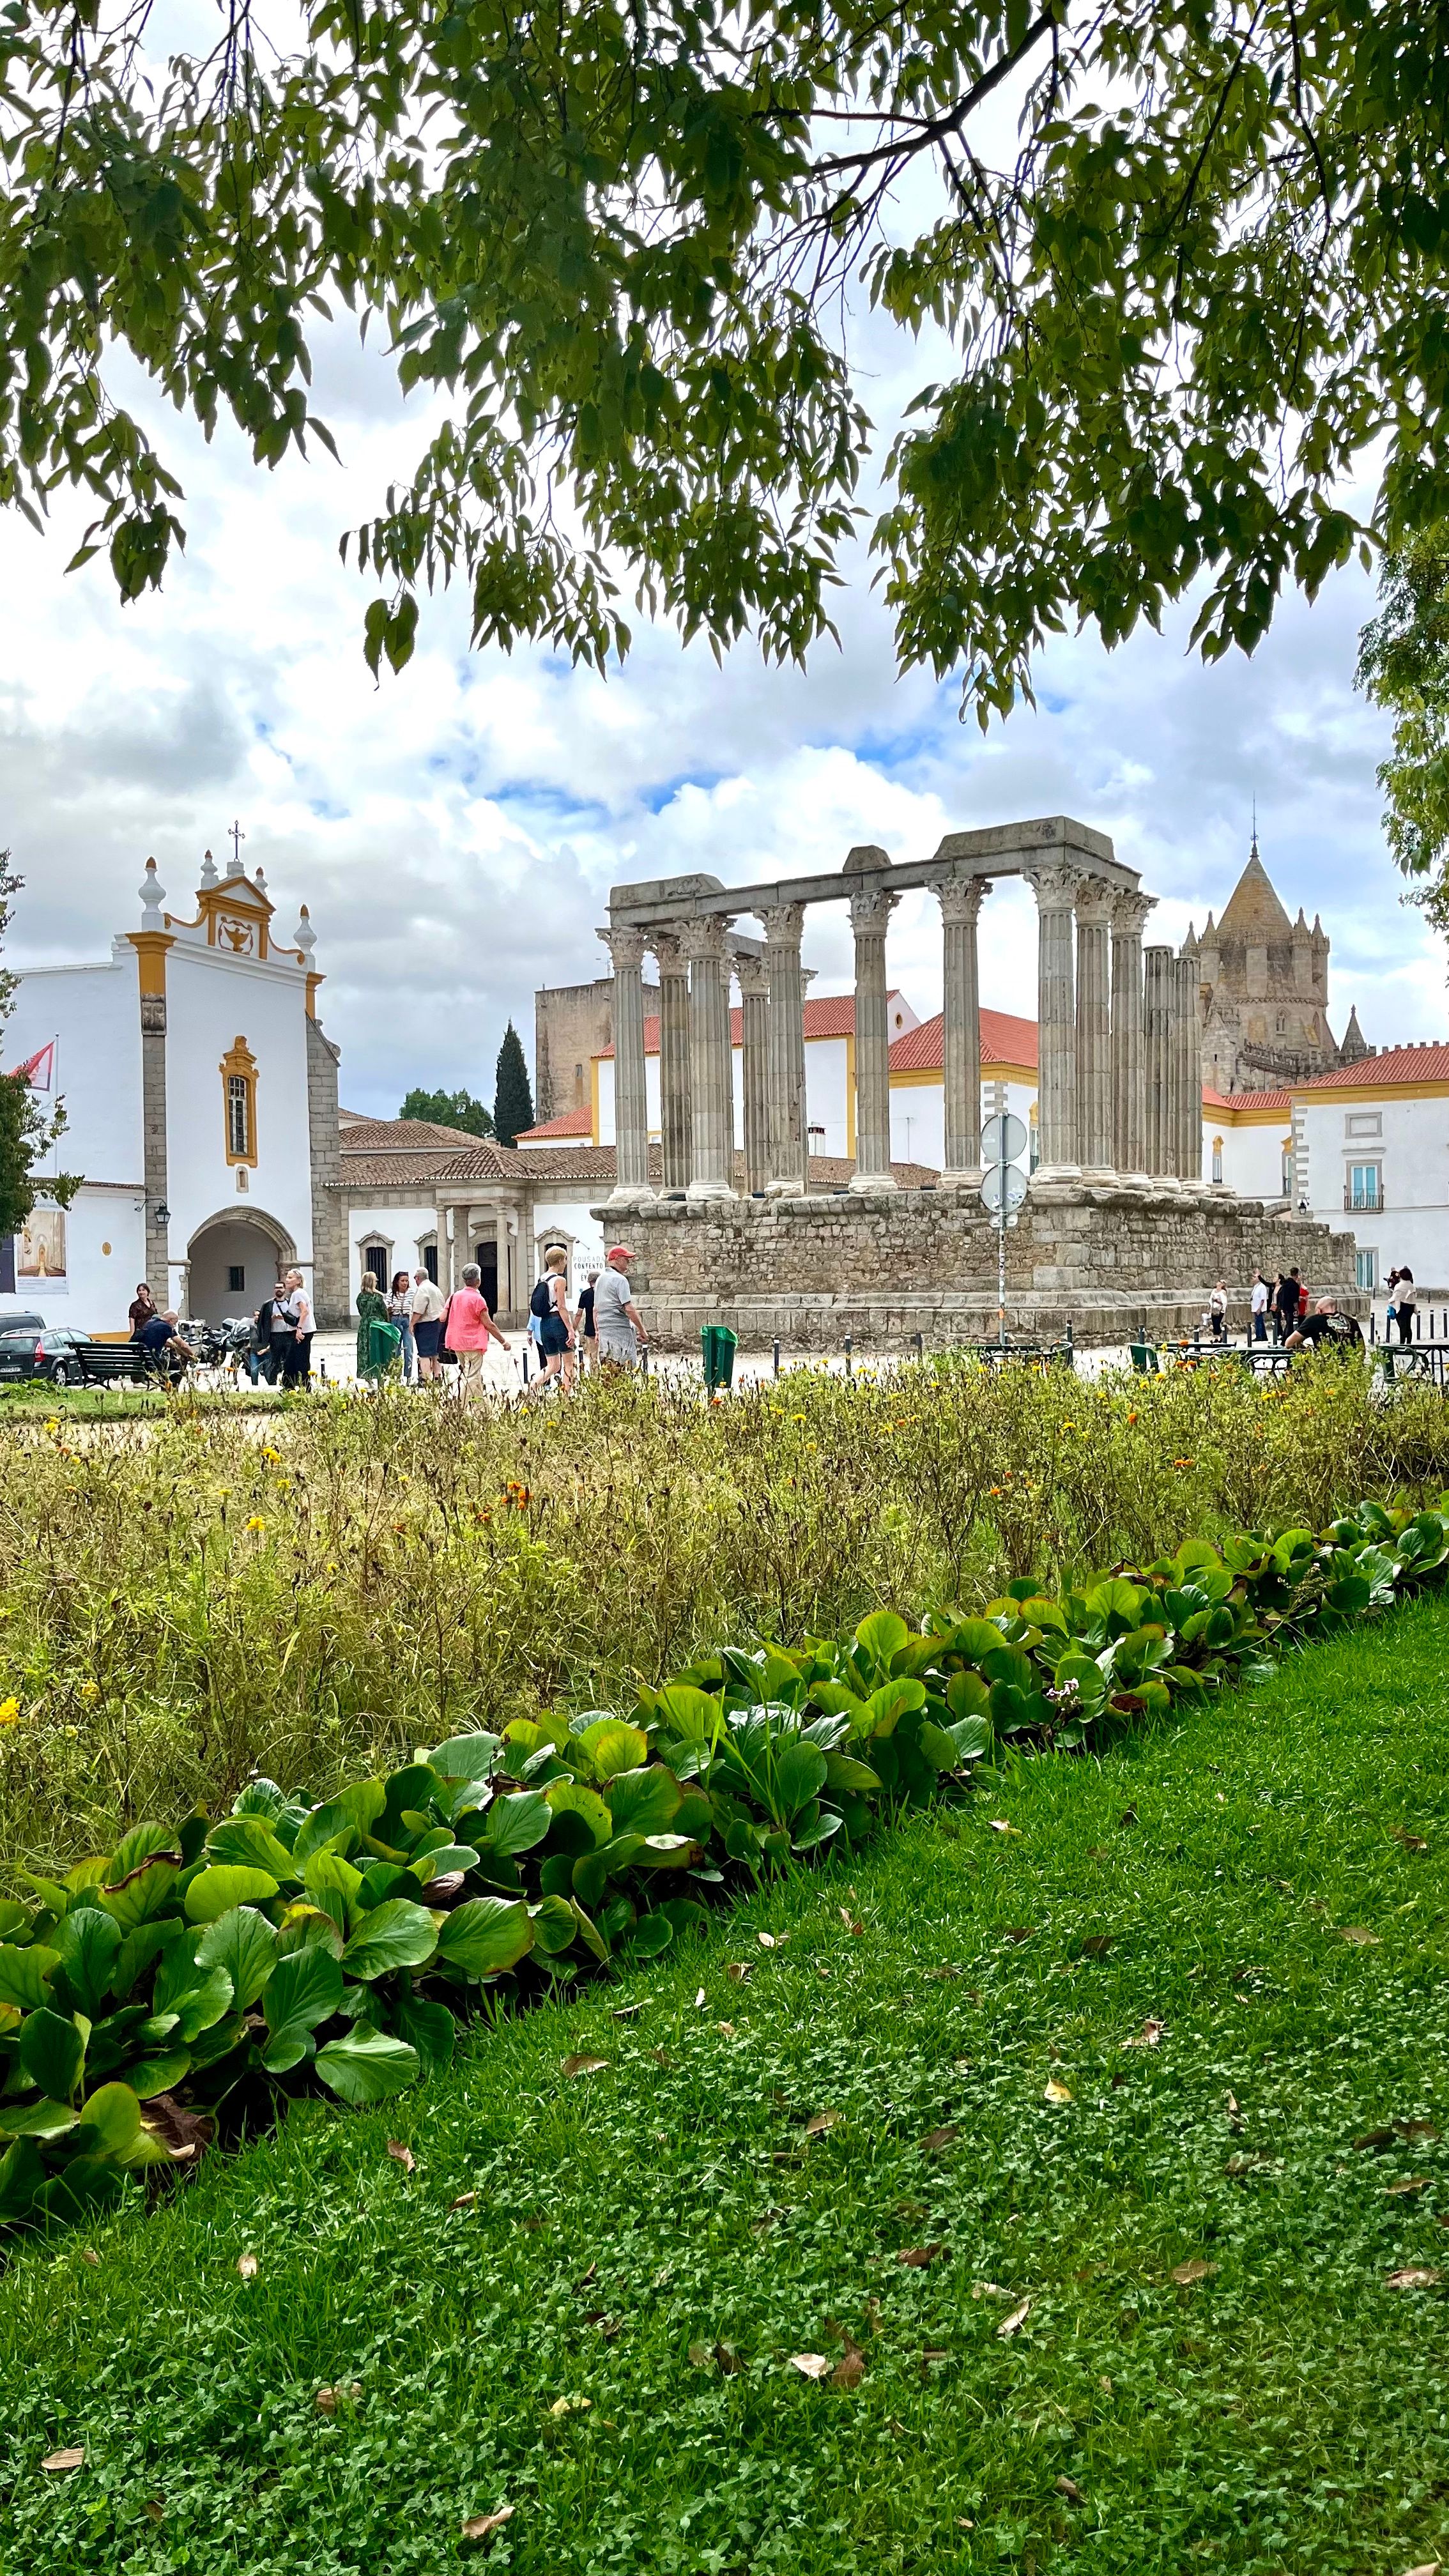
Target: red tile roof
{"type": "Point", "coordinates": [1245, 1099]}
{"type": "Point", "coordinates": [830, 1015]}
{"type": "Point", "coordinates": [1004, 1040]}
{"type": "Point", "coordinates": [1428, 1063]}
{"type": "Point", "coordinates": [571, 1122]}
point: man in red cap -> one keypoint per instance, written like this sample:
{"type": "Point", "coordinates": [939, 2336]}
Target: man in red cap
{"type": "Point", "coordinates": [617, 1320]}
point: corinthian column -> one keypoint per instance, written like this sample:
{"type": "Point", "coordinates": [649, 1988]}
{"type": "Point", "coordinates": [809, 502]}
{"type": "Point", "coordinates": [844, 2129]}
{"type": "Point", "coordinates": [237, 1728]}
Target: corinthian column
{"type": "Point", "coordinates": [870, 911]}
{"type": "Point", "coordinates": [1095, 1147]}
{"type": "Point", "coordinates": [960, 901]}
{"type": "Point", "coordinates": [631, 1107]}
{"type": "Point", "coordinates": [1186, 977]}
{"type": "Point", "coordinates": [673, 1056]}
{"type": "Point", "coordinates": [1055, 886]}
{"type": "Point", "coordinates": [1157, 978]}
{"type": "Point", "coordinates": [710, 1084]}
{"type": "Point", "coordinates": [789, 1143]}
{"type": "Point", "coordinates": [753, 977]}
{"type": "Point", "coordinates": [1129, 1071]}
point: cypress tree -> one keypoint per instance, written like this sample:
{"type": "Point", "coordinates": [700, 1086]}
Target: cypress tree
{"type": "Point", "coordinates": [513, 1101]}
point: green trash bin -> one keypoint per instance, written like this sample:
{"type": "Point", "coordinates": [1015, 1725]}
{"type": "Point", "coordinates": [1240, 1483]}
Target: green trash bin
{"type": "Point", "coordinates": [717, 1348]}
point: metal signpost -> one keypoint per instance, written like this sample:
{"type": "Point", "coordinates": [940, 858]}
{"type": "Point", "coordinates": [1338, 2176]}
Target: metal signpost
{"type": "Point", "coordinates": [1003, 1187]}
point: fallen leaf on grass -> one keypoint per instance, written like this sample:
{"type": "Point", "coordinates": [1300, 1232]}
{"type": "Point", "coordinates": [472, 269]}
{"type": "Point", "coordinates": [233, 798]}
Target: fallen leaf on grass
{"type": "Point", "coordinates": [728, 2359]}
{"type": "Point", "coordinates": [700, 2356]}
{"type": "Point", "coordinates": [1095, 1945]}
{"type": "Point", "coordinates": [964, 2522]}
{"type": "Point", "coordinates": [1238, 2165]}
{"type": "Point", "coordinates": [1411, 2182]}
{"type": "Point", "coordinates": [942, 2137]}
{"type": "Point", "coordinates": [585, 2278]}
{"type": "Point", "coordinates": [402, 2155]}
{"type": "Point", "coordinates": [849, 2372]}
{"type": "Point", "coordinates": [727, 2027]}
{"type": "Point", "coordinates": [608, 2326]}
{"type": "Point", "coordinates": [1411, 1842]}
{"type": "Point", "coordinates": [1361, 1939]}
{"type": "Point", "coordinates": [918, 2256]}
{"type": "Point", "coordinates": [852, 1922]}
{"type": "Point", "coordinates": [1021, 1932]}
{"type": "Point", "coordinates": [699, 2000]}
{"type": "Point", "coordinates": [934, 2352]}
{"type": "Point", "coordinates": [481, 2526]}
{"type": "Point", "coordinates": [999, 1825]}
{"type": "Point", "coordinates": [155, 2508]}
{"type": "Point", "coordinates": [820, 2121]}
{"type": "Point", "coordinates": [580, 2065]}
{"type": "Point", "coordinates": [811, 2365]}
{"type": "Point", "coordinates": [56, 2461]}
{"type": "Point", "coordinates": [1148, 2036]}
{"type": "Point", "coordinates": [739, 1969]}
{"type": "Point", "coordinates": [661, 2057]}
{"type": "Point", "coordinates": [766, 1940]}
{"type": "Point", "coordinates": [246, 2264]}
{"type": "Point", "coordinates": [570, 2406]}
{"type": "Point", "coordinates": [1431, 2567]}
{"type": "Point", "coordinates": [1185, 2274]}
{"type": "Point", "coordinates": [1012, 2325]}
{"type": "Point", "coordinates": [1416, 2129]}
{"type": "Point", "coordinates": [1233, 2111]}
{"type": "Point", "coordinates": [1415, 2276]}
{"type": "Point", "coordinates": [328, 2398]}
{"type": "Point", "coordinates": [988, 2290]}
{"type": "Point", "coordinates": [89, 2255]}
{"type": "Point", "coordinates": [1128, 1816]}
{"type": "Point", "coordinates": [184, 2134]}
{"type": "Point", "coordinates": [465, 2200]}
{"type": "Point", "coordinates": [1069, 2488]}
{"type": "Point", "coordinates": [1056, 2092]}
{"type": "Point", "coordinates": [1373, 2139]}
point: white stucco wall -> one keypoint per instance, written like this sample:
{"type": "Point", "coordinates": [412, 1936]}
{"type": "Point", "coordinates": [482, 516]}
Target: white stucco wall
{"type": "Point", "coordinates": [93, 1013]}
{"type": "Point", "coordinates": [404, 1228]}
{"type": "Point", "coordinates": [1252, 1156]}
{"type": "Point", "coordinates": [1412, 1149]}
{"type": "Point", "coordinates": [211, 1000]}
{"type": "Point", "coordinates": [568, 1220]}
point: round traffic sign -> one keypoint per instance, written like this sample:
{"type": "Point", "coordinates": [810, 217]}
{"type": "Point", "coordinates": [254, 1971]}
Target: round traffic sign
{"type": "Point", "coordinates": [1003, 1139]}
{"type": "Point", "coordinates": [1003, 1185]}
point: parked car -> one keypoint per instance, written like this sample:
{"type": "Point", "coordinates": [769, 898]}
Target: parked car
{"type": "Point", "coordinates": [22, 1324]}
{"type": "Point", "coordinates": [64, 1357]}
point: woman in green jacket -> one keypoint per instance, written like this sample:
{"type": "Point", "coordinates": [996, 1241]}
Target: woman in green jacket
{"type": "Point", "coordinates": [371, 1309]}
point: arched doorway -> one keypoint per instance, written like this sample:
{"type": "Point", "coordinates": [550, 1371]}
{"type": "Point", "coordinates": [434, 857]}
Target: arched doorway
{"type": "Point", "coordinates": [232, 1263]}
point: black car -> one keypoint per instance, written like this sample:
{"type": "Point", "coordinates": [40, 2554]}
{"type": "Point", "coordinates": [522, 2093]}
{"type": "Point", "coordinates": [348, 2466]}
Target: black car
{"type": "Point", "coordinates": [64, 1357]}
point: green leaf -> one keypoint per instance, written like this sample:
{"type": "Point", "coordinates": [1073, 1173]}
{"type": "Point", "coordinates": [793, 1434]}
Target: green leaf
{"type": "Point", "coordinates": [486, 1936]}
{"type": "Point", "coordinates": [366, 2065]}
{"type": "Point", "coordinates": [52, 2052]}
{"type": "Point", "coordinates": [87, 1944]}
{"type": "Point", "coordinates": [644, 1802]}
{"type": "Point", "coordinates": [801, 1770]}
{"type": "Point", "coordinates": [333, 1884]}
{"type": "Point", "coordinates": [517, 1824]}
{"type": "Point", "coordinates": [394, 1935]}
{"type": "Point", "coordinates": [145, 1892]}
{"type": "Point", "coordinates": [243, 1944]}
{"type": "Point", "coordinates": [219, 1891]}
{"type": "Point", "coordinates": [612, 1745]}
{"type": "Point", "coordinates": [691, 1714]}
{"type": "Point", "coordinates": [427, 2027]}
{"type": "Point", "coordinates": [152, 2075]}
{"type": "Point", "coordinates": [893, 1701]}
{"type": "Point", "coordinates": [652, 1937]}
{"type": "Point", "coordinates": [22, 2176]}
{"type": "Point", "coordinates": [448, 1860]}
{"type": "Point", "coordinates": [882, 1636]}
{"type": "Point", "coordinates": [554, 1927]}
{"type": "Point", "coordinates": [206, 2002]}
{"type": "Point", "coordinates": [466, 1757]}
{"type": "Point", "coordinates": [571, 1798]}
{"type": "Point", "coordinates": [248, 1842]}
{"type": "Point", "coordinates": [305, 1988]}
{"type": "Point", "coordinates": [37, 2119]}
{"type": "Point", "coordinates": [142, 1945]}
{"type": "Point", "coordinates": [110, 2121]}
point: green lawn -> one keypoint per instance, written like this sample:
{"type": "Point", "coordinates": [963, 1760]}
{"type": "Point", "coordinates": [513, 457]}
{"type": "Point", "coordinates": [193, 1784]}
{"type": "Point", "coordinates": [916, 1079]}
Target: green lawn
{"type": "Point", "coordinates": [553, 2344]}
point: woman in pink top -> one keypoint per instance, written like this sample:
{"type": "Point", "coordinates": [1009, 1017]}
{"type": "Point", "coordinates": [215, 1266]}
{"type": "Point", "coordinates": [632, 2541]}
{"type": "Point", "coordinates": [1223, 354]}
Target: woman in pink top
{"type": "Point", "coordinates": [468, 1328]}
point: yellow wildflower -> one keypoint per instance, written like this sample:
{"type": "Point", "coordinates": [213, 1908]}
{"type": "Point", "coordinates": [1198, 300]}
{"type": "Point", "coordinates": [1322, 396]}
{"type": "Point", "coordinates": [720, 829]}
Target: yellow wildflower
{"type": "Point", "coordinates": [9, 1711]}
{"type": "Point", "coordinates": [256, 1522]}
{"type": "Point", "coordinates": [90, 1690]}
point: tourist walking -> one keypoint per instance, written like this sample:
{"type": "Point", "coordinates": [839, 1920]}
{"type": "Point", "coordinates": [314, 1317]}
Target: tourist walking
{"type": "Point", "coordinates": [425, 1308]}
{"type": "Point", "coordinates": [584, 1333]}
{"type": "Point", "coordinates": [549, 1305]}
{"type": "Point", "coordinates": [1285, 1304]}
{"type": "Point", "coordinates": [296, 1305]}
{"type": "Point", "coordinates": [1258, 1305]}
{"type": "Point", "coordinates": [1218, 1312]}
{"type": "Point", "coordinates": [143, 1308]}
{"type": "Point", "coordinates": [1402, 1296]}
{"type": "Point", "coordinates": [399, 1315]}
{"type": "Point", "coordinates": [371, 1309]}
{"type": "Point", "coordinates": [470, 1329]}
{"type": "Point", "coordinates": [617, 1320]}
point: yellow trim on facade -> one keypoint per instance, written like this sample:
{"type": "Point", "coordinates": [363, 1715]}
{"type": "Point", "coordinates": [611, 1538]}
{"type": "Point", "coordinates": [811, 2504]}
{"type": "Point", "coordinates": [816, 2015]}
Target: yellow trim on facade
{"type": "Point", "coordinates": [1362, 1095]}
{"type": "Point", "coordinates": [150, 947]}
{"type": "Point", "coordinates": [312, 983]}
{"type": "Point", "coordinates": [920, 1075]}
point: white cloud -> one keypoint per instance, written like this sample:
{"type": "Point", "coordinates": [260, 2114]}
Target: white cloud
{"type": "Point", "coordinates": [455, 831]}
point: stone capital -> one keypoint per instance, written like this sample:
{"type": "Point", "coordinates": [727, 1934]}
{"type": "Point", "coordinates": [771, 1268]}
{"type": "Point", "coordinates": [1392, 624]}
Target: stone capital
{"type": "Point", "coordinates": [627, 948]}
{"type": "Point", "coordinates": [960, 898]}
{"type": "Point", "coordinates": [669, 951]}
{"type": "Point", "coordinates": [1094, 904]}
{"type": "Point", "coordinates": [1130, 910]}
{"type": "Point", "coordinates": [1054, 884]}
{"type": "Point", "coordinates": [752, 974]}
{"type": "Point", "coordinates": [704, 939]}
{"type": "Point", "coordinates": [870, 911]}
{"type": "Point", "coordinates": [783, 924]}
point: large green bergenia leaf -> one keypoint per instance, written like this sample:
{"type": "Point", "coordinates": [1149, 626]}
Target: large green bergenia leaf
{"type": "Point", "coordinates": [52, 2052]}
{"type": "Point", "coordinates": [643, 1802]}
{"type": "Point", "coordinates": [691, 1714]}
{"type": "Point", "coordinates": [216, 1891]}
{"type": "Point", "coordinates": [466, 1757]}
{"type": "Point", "coordinates": [571, 1798]}
{"type": "Point", "coordinates": [305, 1988]}
{"type": "Point", "coordinates": [427, 2027]}
{"type": "Point", "coordinates": [801, 1771]}
{"type": "Point", "coordinates": [145, 1891]}
{"type": "Point", "coordinates": [25, 1974]}
{"type": "Point", "coordinates": [611, 1745]}
{"type": "Point", "coordinates": [892, 1701]}
{"type": "Point", "coordinates": [205, 1996]}
{"type": "Point", "coordinates": [366, 2065]}
{"type": "Point", "coordinates": [394, 1935]}
{"type": "Point", "coordinates": [880, 1638]}
{"type": "Point", "coordinates": [516, 1824]}
{"type": "Point", "coordinates": [248, 1842]}
{"type": "Point", "coordinates": [243, 1944]}
{"type": "Point", "coordinates": [87, 1943]}
{"type": "Point", "coordinates": [486, 1936]}
{"type": "Point", "coordinates": [333, 1884]}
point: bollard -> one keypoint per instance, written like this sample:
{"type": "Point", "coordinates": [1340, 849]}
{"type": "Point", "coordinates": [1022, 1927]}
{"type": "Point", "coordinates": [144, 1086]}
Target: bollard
{"type": "Point", "coordinates": [777, 1358]}
{"type": "Point", "coordinates": [525, 1359]}
{"type": "Point", "coordinates": [644, 1357]}
{"type": "Point", "coordinates": [920, 1343]}
{"type": "Point", "coordinates": [849, 1346]}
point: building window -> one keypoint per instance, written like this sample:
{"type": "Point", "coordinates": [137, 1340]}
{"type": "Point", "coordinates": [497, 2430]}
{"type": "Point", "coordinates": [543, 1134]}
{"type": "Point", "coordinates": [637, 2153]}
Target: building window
{"type": "Point", "coordinates": [1366, 1270]}
{"type": "Point", "coordinates": [1365, 1186]}
{"type": "Point", "coordinates": [236, 1278]}
{"type": "Point", "coordinates": [1364, 1122]}
{"type": "Point", "coordinates": [375, 1257]}
{"type": "Point", "coordinates": [239, 1101]}
{"type": "Point", "coordinates": [429, 1258]}
{"type": "Point", "coordinates": [1218, 1160]}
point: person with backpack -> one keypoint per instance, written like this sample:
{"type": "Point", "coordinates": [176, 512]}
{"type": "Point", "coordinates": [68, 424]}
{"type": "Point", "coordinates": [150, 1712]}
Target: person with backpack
{"type": "Point", "coordinates": [550, 1305]}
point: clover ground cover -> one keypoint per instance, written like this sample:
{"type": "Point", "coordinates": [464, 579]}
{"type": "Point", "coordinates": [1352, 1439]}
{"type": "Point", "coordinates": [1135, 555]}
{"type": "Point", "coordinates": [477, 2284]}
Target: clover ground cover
{"type": "Point", "coordinates": [1104, 2075]}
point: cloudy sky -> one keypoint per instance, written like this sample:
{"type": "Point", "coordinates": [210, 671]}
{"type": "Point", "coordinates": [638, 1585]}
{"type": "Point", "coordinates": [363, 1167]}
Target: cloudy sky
{"type": "Point", "coordinates": [455, 831]}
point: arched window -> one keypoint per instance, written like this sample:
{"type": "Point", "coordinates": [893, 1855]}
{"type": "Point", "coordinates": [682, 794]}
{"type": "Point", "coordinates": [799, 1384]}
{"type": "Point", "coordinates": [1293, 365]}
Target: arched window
{"type": "Point", "coordinates": [1218, 1160]}
{"type": "Point", "coordinates": [376, 1257]}
{"type": "Point", "coordinates": [239, 1102]}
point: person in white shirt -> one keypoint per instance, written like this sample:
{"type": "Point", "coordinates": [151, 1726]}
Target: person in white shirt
{"type": "Point", "coordinates": [297, 1351]}
{"type": "Point", "coordinates": [426, 1306]}
{"type": "Point", "coordinates": [1259, 1303]}
{"type": "Point", "coordinates": [617, 1319]}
